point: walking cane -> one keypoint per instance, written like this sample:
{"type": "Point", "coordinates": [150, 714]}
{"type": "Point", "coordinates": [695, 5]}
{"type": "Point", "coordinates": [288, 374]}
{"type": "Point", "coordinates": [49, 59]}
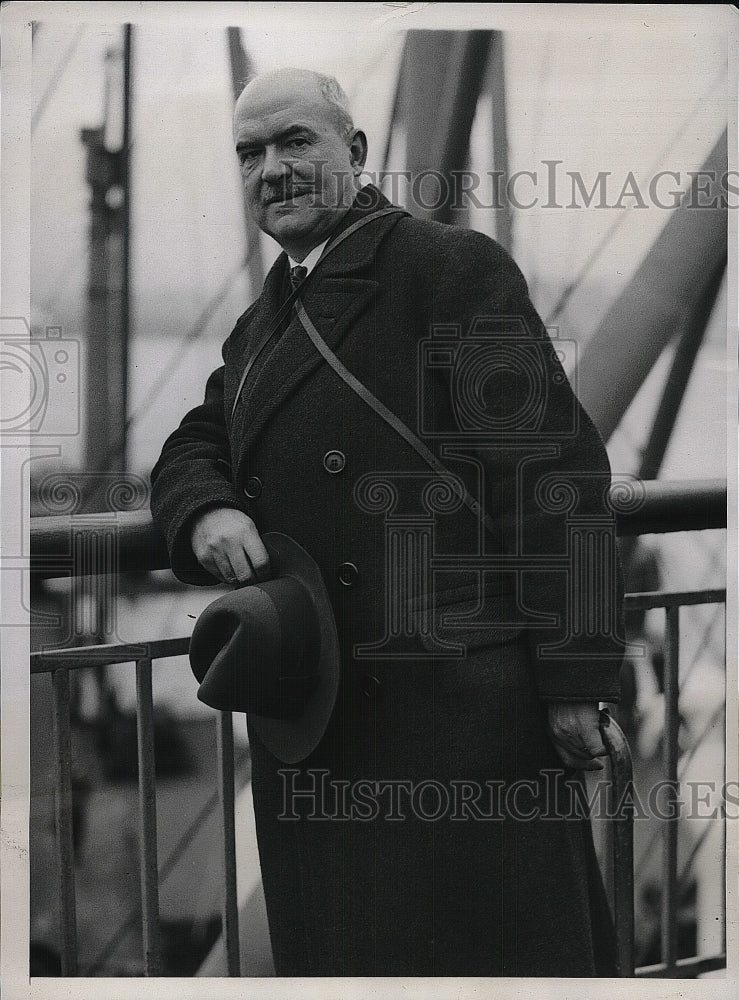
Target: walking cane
{"type": "Point", "coordinates": [621, 836]}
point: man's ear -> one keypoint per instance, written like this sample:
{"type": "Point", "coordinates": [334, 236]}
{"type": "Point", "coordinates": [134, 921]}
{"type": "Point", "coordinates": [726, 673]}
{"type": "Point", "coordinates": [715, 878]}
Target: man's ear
{"type": "Point", "coordinates": [358, 151]}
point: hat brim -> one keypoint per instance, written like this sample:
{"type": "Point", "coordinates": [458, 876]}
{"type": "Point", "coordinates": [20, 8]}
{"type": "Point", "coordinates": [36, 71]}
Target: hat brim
{"type": "Point", "coordinates": [292, 740]}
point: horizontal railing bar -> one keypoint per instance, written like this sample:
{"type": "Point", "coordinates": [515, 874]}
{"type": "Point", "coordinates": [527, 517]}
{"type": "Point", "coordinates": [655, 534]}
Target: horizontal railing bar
{"type": "Point", "coordinates": [685, 968]}
{"type": "Point", "coordinates": [659, 507]}
{"type": "Point", "coordinates": [662, 599]}
{"type": "Point", "coordinates": [683, 505]}
{"type": "Point", "coordinates": [102, 656]}
{"type": "Point", "coordinates": [142, 546]}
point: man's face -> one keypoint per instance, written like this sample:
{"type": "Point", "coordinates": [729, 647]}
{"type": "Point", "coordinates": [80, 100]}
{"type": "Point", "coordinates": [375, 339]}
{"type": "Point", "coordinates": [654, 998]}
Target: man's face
{"type": "Point", "coordinates": [300, 173]}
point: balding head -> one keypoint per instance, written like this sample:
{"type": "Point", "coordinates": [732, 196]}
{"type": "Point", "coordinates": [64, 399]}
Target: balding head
{"type": "Point", "coordinates": [301, 81]}
{"type": "Point", "coordinates": [301, 157]}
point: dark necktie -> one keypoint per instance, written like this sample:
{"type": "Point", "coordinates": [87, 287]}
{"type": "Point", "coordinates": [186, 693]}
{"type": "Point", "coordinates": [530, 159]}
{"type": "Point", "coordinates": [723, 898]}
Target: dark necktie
{"type": "Point", "coordinates": [297, 275]}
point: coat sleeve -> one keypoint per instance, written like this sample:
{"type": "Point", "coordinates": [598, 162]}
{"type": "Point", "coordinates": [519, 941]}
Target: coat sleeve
{"type": "Point", "coordinates": [193, 474]}
{"type": "Point", "coordinates": [552, 507]}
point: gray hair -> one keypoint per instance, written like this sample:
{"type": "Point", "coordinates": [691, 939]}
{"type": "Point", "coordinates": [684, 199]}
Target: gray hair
{"type": "Point", "coordinates": [334, 94]}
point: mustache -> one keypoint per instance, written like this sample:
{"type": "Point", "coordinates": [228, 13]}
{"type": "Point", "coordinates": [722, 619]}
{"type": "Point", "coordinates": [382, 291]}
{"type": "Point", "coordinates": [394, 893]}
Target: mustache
{"type": "Point", "coordinates": [285, 193]}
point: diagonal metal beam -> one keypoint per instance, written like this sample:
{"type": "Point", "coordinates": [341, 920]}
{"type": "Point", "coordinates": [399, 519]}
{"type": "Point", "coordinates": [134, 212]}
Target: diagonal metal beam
{"type": "Point", "coordinates": [679, 375]}
{"type": "Point", "coordinates": [444, 73]}
{"type": "Point", "coordinates": [497, 89]}
{"type": "Point", "coordinates": [668, 286]}
{"type": "Point", "coordinates": [241, 70]}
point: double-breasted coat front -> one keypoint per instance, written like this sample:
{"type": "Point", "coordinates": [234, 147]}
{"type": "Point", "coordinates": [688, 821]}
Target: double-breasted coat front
{"type": "Point", "coordinates": [398, 847]}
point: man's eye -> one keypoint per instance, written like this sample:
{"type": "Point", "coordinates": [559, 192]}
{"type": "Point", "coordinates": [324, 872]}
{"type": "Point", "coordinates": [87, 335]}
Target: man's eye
{"type": "Point", "coordinates": [298, 142]}
{"type": "Point", "coordinates": [247, 156]}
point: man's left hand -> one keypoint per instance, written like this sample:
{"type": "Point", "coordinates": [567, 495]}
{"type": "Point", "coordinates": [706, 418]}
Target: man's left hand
{"type": "Point", "coordinates": [573, 728]}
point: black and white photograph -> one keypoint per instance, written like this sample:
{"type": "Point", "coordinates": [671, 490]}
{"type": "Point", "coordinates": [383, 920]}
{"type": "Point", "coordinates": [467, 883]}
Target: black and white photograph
{"type": "Point", "coordinates": [369, 500]}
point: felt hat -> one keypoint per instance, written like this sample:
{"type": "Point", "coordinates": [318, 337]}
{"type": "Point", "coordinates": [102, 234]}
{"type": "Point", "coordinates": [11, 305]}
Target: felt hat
{"type": "Point", "coordinates": [271, 650]}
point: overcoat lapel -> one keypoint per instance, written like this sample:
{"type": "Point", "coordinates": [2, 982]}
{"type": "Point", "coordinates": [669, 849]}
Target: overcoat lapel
{"type": "Point", "coordinates": [255, 321]}
{"type": "Point", "coordinates": [336, 295]}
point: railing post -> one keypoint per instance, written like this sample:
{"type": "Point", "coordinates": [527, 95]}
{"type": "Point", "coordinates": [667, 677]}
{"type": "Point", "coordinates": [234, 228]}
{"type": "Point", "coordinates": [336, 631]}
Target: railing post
{"type": "Point", "coordinates": [147, 818]}
{"type": "Point", "coordinates": [230, 910]}
{"type": "Point", "coordinates": [63, 821]}
{"type": "Point", "coordinates": [670, 753]}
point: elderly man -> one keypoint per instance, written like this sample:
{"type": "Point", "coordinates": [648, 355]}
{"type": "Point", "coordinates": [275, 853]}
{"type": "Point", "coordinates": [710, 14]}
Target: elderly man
{"type": "Point", "coordinates": [392, 402]}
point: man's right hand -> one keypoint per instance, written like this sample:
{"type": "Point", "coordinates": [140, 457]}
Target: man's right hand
{"type": "Point", "coordinates": [226, 543]}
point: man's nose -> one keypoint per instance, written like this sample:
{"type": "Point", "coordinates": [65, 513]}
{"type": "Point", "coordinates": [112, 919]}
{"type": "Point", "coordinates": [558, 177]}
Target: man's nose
{"type": "Point", "coordinates": [274, 167]}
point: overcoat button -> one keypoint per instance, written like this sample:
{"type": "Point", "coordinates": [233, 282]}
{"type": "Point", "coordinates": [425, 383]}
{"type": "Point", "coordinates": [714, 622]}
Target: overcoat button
{"type": "Point", "coordinates": [348, 574]}
{"type": "Point", "coordinates": [334, 461]}
{"type": "Point", "coordinates": [369, 686]}
{"type": "Point", "coordinates": [253, 487]}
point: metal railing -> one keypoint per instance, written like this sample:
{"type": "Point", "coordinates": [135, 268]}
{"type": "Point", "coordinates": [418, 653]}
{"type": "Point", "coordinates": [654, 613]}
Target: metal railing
{"type": "Point", "coordinates": [665, 507]}
{"type": "Point", "coordinates": [59, 663]}
{"type": "Point", "coordinates": [670, 966]}
{"type": "Point", "coordinates": [622, 831]}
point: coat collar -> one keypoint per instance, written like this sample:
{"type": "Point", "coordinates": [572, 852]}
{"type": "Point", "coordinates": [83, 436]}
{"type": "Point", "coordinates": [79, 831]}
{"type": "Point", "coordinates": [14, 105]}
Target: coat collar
{"type": "Point", "coordinates": [335, 295]}
{"type": "Point", "coordinates": [357, 252]}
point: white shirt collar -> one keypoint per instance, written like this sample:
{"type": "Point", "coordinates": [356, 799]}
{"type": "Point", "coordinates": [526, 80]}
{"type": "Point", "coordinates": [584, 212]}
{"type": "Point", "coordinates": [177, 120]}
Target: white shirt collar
{"type": "Point", "coordinates": [311, 260]}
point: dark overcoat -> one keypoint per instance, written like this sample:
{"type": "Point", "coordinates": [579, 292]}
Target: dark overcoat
{"type": "Point", "coordinates": [406, 855]}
